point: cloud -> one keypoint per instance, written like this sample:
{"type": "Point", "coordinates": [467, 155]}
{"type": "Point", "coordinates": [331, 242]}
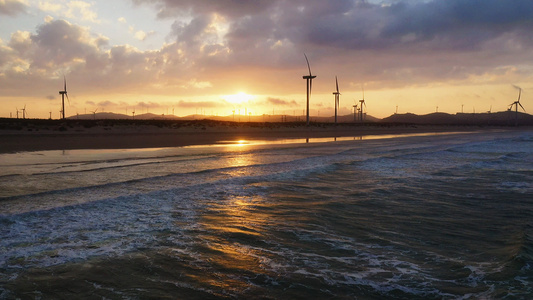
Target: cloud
{"type": "Point", "coordinates": [149, 104]}
{"type": "Point", "coordinates": [83, 10]}
{"type": "Point", "coordinates": [276, 30]}
{"type": "Point", "coordinates": [194, 83]}
{"type": "Point", "coordinates": [12, 7]}
{"type": "Point", "coordinates": [221, 47]}
{"type": "Point", "coordinates": [75, 10]}
{"type": "Point", "coordinates": [196, 104]}
{"type": "Point", "coordinates": [141, 35]}
{"type": "Point", "coordinates": [60, 43]}
{"type": "Point", "coordinates": [281, 102]}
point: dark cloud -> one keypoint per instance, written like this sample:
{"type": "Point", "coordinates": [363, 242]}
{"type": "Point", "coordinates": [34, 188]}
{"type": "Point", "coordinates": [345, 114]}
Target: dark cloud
{"type": "Point", "coordinates": [226, 45]}
{"type": "Point", "coordinates": [462, 24]}
{"type": "Point", "coordinates": [273, 34]}
{"type": "Point", "coordinates": [12, 7]}
{"type": "Point", "coordinates": [59, 42]}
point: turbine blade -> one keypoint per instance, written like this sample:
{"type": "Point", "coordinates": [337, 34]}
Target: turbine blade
{"type": "Point", "coordinates": [65, 81]}
{"type": "Point", "coordinates": [519, 94]}
{"type": "Point", "coordinates": [521, 106]}
{"type": "Point", "coordinates": [67, 98]}
{"type": "Point", "coordinates": [309, 67]}
{"type": "Point", "coordinates": [337, 83]}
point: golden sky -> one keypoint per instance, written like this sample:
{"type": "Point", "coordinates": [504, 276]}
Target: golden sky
{"type": "Point", "coordinates": [214, 57]}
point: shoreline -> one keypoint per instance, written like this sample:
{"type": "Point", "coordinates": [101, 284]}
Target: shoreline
{"type": "Point", "coordinates": [109, 135]}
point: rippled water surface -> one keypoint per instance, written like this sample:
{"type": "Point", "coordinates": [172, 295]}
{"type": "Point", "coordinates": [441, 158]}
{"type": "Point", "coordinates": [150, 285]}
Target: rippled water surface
{"type": "Point", "coordinates": [407, 217]}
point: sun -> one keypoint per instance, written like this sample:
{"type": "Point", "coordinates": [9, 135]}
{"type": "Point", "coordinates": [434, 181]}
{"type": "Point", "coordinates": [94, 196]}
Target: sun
{"type": "Point", "coordinates": [238, 98]}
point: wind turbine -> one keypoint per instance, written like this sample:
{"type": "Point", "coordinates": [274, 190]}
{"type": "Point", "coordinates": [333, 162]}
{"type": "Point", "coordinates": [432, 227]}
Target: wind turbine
{"type": "Point", "coordinates": [362, 102]}
{"type": "Point", "coordinates": [354, 110]}
{"type": "Point", "coordinates": [94, 114]}
{"type": "Point", "coordinates": [17, 112]}
{"type": "Point", "coordinates": [309, 78]}
{"type": "Point", "coordinates": [337, 94]}
{"type": "Point", "coordinates": [63, 93]}
{"type": "Point", "coordinates": [133, 113]}
{"type": "Point", "coordinates": [24, 112]}
{"type": "Point", "coordinates": [516, 103]}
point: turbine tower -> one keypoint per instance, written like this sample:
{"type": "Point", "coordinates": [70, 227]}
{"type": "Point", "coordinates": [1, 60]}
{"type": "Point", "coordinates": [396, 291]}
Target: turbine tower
{"type": "Point", "coordinates": [362, 102]}
{"type": "Point", "coordinates": [63, 93]}
{"type": "Point", "coordinates": [354, 110]}
{"type": "Point", "coordinates": [23, 112]}
{"type": "Point", "coordinates": [516, 103]}
{"type": "Point", "coordinates": [309, 79]}
{"type": "Point", "coordinates": [337, 94]}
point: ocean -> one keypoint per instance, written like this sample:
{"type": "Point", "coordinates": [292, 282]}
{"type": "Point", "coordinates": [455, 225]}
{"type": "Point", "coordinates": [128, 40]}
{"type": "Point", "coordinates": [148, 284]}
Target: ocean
{"type": "Point", "coordinates": [427, 216]}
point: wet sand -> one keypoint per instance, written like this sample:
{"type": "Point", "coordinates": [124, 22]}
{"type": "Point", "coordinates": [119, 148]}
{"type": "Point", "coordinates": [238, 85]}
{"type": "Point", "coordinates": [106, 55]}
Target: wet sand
{"type": "Point", "coordinates": [109, 135]}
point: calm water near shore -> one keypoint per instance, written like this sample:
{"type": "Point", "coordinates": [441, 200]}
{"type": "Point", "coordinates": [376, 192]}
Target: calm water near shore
{"type": "Point", "coordinates": [399, 217]}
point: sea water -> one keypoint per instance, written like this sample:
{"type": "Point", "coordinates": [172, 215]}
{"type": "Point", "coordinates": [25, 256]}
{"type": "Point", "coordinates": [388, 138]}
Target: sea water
{"type": "Point", "coordinates": [445, 216]}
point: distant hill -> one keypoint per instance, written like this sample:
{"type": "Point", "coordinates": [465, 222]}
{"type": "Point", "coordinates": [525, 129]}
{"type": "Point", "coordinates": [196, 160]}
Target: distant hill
{"type": "Point", "coordinates": [237, 118]}
{"type": "Point", "coordinates": [498, 118]}
{"type": "Point", "coordinates": [505, 118]}
{"type": "Point", "coordinates": [114, 116]}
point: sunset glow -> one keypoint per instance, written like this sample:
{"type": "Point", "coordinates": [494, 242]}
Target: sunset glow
{"type": "Point", "coordinates": [240, 98]}
{"type": "Point", "coordinates": [156, 56]}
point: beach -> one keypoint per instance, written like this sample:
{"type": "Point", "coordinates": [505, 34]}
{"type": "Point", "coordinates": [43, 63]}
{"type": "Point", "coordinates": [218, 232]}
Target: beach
{"type": "Point", "coordinates": [36, 136]}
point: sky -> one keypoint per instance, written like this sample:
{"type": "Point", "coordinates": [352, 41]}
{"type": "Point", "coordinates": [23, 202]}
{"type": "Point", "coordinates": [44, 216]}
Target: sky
{"type": "Point", "coordinates": [214, 57]}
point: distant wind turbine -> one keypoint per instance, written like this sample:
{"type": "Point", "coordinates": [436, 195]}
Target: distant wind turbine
{"type": "Point", "coordinates": [24, 112]}
{"type": "Point", "coordinates": [309, 78]}
{"type": "Point", "coordinates": [516, 103]}
{"type": "Point", "coordinates": [362, 102]}
{"type": "Point", "coordinates": [17, 112]}
{"type": "Point", "coordinates": [63, 93]}
{"type": "Point", "coordinates": [337, 94]}
{"type": "Point", "coordinates": [133, 113]}
{"type": "Point", "coordinates": [94, 113]}
{"type": "Point", "coordinates": [354, 110]}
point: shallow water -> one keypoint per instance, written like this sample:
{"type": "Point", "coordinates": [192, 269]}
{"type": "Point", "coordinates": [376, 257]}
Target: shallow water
{"type": "Point", "coordinates": [437, 216]}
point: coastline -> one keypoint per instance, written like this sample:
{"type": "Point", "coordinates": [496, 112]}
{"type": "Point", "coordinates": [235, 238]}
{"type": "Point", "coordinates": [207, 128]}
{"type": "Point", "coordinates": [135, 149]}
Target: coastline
{"type": "Point", "coordinates": [117, 135]}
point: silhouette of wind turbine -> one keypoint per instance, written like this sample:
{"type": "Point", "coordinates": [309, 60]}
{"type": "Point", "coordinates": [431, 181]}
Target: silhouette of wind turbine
{"type": "Point", "coordinates": [63, 93]}
{"type": "Point", "coordinates": [94, 113]}
{"type": "Point", "coordinates": [17, 112]}
{"type": "Point", "coordinates": [516, 103]}
{"type": "Point", "coordinates": [133, 113]}
{"type": "Point", "coordinates": [309, 78]}
{"type": "Point", "coordinates": [362, 102]}
{"type": "Point", "coordinates": [354, 110]}
{"type": "Point", "coordinates": [24, 112]}
{"type": "Point", "coordinates": [337, 94]}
